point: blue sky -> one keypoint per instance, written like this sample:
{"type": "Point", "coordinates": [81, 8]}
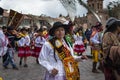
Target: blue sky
{"type": "Point", "coordinates": [37, 7]}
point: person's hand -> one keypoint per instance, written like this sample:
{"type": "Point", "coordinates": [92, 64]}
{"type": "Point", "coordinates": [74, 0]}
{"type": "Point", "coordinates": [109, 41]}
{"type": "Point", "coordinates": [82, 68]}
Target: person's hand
{"type": "Point", "coordinates": [21, 35]}
{"type": "Point", "coordinates": [54, 72]}
{"type": "Point", "coordinates": [81, 58]}
{"type": "Point", "coordinates": [14, 32]}
{"type": "Point", "coordinates": [78, 58]}
{"type": "Point", "coordinates": [84, 57]}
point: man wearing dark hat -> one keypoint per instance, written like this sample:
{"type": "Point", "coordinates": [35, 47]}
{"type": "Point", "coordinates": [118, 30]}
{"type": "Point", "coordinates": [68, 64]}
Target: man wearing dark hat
{"type": "Point", "coordinates": [12, 36]}
{"type": "Point", "coordinates": [111, 49]}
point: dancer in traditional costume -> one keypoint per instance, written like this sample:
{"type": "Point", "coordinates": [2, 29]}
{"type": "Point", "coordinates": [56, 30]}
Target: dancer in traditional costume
{"type": "Point", "coordinates": [95, 41]}
{"type": "Point", "coordinates": [69, 32]}
{"type": "Point", "coordinates": [24, 47]}
{"type": "Point", "coordinates": [45, 32]}
{"type": "Point", "coordinates": [79, 47]}
{"type": "Point", "coordinates": [57, 56]}
{"type": "Point", "coordinates": [3, 44]}
{"type": "Point", "coordinates": [12, 36]}
{"type": "Point", "coordinates": [39, 41]}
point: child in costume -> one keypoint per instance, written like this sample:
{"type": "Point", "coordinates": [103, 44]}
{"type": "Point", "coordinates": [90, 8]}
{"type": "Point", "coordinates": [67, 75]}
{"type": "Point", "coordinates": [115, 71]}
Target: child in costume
{"type": "Point", "coordinates": [57, 56]}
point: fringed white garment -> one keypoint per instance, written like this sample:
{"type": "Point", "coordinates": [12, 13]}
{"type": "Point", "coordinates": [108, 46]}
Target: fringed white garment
{"type": "Point", "coordinates": [3, 43]}
{"type": "Point", "coordinates": [27, 40]}
{"type": "Point", "coordinates": [21, 42]}
{"type": "Point", "coordinates": [47, 59]}
{"type": "Point", "coordinates": [39, 41]}
{"type": "Point", "coordinates": [79, 45]}
{"type": "Point", "coordinates": [95, 39]}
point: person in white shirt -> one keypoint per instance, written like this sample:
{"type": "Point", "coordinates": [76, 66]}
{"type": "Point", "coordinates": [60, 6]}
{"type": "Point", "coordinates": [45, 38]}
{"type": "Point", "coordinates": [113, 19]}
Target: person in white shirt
{"type": "Point", "coordinates": [57, 56]}
{"type": "Point", "coordinates": [3, 43]}
{"type": "Point", "coordinates": [39, 41]}
{"type": "Point", "coordinates": [24, 47]}
{"type": "Point", "coordinates": [95, 41]}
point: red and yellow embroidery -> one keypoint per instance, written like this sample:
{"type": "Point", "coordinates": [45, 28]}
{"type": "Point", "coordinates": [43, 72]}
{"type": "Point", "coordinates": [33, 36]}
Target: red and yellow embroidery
{"type": "Point", "coordinates": [70, 65]}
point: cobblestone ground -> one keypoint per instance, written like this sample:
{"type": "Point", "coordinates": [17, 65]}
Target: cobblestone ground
{"type": "Point", "coordinates": [86, 71]}
{"type": "Point", "coordinates": [36, 71]}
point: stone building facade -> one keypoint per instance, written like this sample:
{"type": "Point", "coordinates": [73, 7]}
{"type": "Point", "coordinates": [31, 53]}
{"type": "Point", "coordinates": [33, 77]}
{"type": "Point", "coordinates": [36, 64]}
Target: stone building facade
{"type": "Point", "coordinates": [97, 6]}
{"type": "Point", "coordinates": [90, 19]}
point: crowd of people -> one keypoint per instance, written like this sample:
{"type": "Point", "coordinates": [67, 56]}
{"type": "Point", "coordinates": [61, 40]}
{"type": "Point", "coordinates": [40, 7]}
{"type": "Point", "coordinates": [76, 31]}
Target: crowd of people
{"type": "Point", "coordinates": [61, 48]}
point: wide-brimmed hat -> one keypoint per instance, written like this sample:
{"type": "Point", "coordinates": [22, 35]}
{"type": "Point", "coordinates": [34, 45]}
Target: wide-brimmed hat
{"type": "Point", "coordinates": [111, 21]}
{"type": "Point", "coordinates": [56, 25]}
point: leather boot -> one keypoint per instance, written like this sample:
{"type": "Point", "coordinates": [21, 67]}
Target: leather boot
{"type": "Point", "coordinates": [100, 67]}
{"type": "Point", "coordinates": [94, 70]}
{"type": "Point", "coordinates": [37, 61]}
{"type": "Point", "coordinates": [20, 62]}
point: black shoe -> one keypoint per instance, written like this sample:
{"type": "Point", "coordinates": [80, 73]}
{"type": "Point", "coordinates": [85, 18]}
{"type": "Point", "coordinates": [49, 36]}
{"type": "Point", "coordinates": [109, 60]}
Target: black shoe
{"type": "Point", "coordinates": [95, 71]}
{"type": "Point", "coordinates": [5, 67]}
{"type": "Point", "coordinates": [100, 68]}
{"type": "Point", "coordinates": [37, 61]}
{"type": "Point", "coordinates": [15, 68]}
{"type": "Point", "coordinates": [25, 65]}
{"type": "Point", "coordinates": [20, 63]}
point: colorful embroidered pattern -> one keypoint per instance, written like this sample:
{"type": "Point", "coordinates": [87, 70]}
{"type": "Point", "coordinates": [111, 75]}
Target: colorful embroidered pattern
{"type": "Point", "coordinates": [70, 65]}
